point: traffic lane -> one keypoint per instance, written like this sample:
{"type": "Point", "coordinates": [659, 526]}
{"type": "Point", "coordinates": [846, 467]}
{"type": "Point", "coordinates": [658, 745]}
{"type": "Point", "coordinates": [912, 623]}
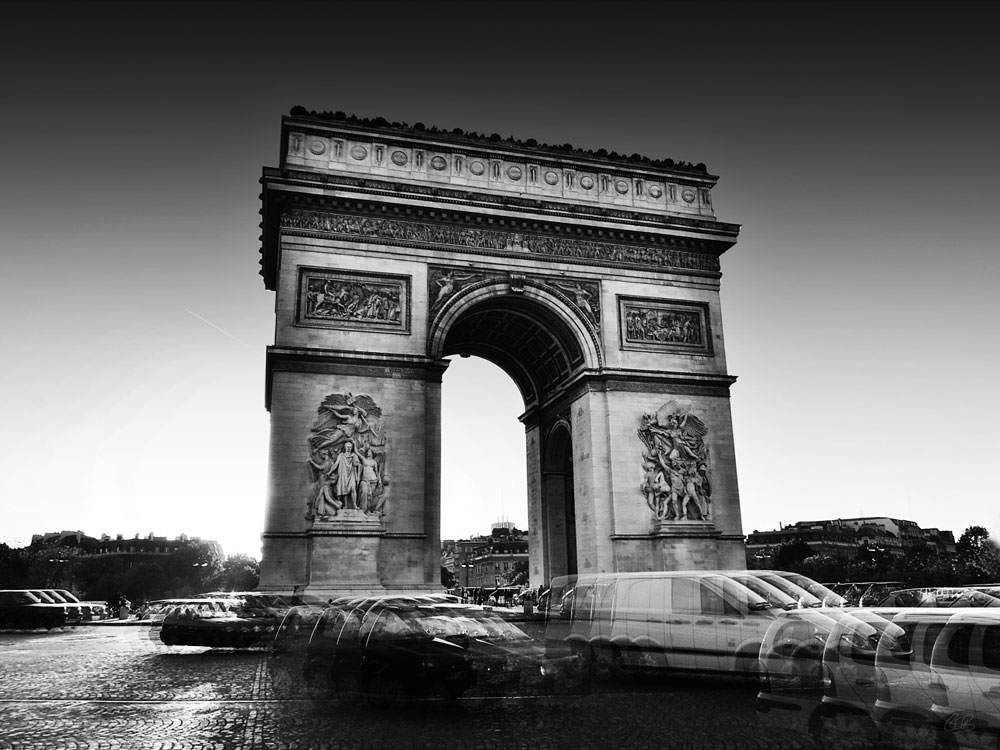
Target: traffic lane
{"type": "Point", "coordinates": [114, 664]}
{"type": "Point", "coordinates": [118, 690]}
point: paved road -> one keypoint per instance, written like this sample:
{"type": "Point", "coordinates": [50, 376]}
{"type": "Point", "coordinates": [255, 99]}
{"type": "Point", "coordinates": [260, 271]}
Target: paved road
{"type": "Point", "coordinates": [112, 688]}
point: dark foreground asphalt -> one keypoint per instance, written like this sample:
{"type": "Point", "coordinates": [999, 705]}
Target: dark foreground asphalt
{"type": "Point", "coordinates": [113, 688]}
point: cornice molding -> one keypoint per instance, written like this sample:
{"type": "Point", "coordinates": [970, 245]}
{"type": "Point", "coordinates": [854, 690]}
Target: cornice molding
{"type": "Point", "coordinates": [290, 176]}
{"type": "Point", "coordinates": [495, 141]}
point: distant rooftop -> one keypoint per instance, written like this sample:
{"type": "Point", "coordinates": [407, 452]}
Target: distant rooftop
{"type": "Point", "coordinates": [380, 123]}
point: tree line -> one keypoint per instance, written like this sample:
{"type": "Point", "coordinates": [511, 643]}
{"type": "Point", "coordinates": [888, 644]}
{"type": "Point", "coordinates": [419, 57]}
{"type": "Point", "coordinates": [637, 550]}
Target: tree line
{"type": "Point", "coordinates": [194, 568]}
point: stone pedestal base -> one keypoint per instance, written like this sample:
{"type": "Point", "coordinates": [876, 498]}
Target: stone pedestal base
{"type": "Point", "coordinates": [686, 545]}
{"type": "Point", "coordinates": [344, 554]}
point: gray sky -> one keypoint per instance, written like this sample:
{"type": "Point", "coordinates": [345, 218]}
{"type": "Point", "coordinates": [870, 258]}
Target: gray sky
{"type": "Point", "coordinates": [855, 144]}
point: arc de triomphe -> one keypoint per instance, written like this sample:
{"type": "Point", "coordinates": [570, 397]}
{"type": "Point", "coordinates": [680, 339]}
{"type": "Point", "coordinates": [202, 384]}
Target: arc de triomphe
{"type": "Point", "coordinates": [591, 278]}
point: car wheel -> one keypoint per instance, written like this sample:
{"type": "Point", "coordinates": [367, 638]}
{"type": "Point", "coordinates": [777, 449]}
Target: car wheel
{"type": "Point", "coordinates": [383, 690]}
{"type": "Point", "coordinates": [646, 665]}
{"type": "Point", "coordinates": [915, 735]}
{"type": "Point", "coordinates": [621, 663]}
{"type": "Point", "coordinates": [320, 686]}
{"type": "Point", "coordinates": [602, 660]}
{"type": "Point", "coordinates": [749, 668]}
{"type": "Point", "coordinates": [347, 688]}
{"type": "Point", "coordinates": [847, 732]}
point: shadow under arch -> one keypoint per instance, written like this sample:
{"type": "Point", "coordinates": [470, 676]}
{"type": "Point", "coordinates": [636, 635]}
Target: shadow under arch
{"type": "Point", "coordinates": [559, 505]}
{"type": "Point", "coordinates": [532, 333]}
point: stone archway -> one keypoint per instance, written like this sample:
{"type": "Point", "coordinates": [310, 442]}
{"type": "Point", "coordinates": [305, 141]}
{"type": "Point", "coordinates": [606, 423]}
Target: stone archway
{"type": "Point", "coordinates": [592, 280]}
{"type": "Point", "coordinates": [557, 510]}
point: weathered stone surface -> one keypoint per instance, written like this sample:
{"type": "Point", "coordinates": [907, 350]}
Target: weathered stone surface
{"type": "Point", "coordinates": [593, 282]}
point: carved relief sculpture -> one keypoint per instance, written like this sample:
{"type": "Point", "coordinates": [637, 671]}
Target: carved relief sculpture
{"type": "Point", "coordinates": [346, 300]}
{"type": "Point", "coordinates": [443, 283]}
{"type": "Point", "coordinates": [675, 465]}
{"type": "Point", "coordinates": [496, 240]}
{"type": "Point", "coordinates": [347, 458]}
{"type": "Point", "coordinates": [665, 325]}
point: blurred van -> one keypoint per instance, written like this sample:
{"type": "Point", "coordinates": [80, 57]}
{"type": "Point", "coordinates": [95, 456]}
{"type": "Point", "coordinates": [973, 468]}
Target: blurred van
{"type": "Point", "coordinates": [627, 623]}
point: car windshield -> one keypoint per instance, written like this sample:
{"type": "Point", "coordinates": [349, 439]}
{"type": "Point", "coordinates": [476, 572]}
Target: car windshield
{"type": "Point", "coordinates": [799, 594]}
{"type": "Point", "coordinates": [477, 623]}
{"type": "Point", "coordinates": [773, 594]}
{"type": "Point", "coordinates": [818, 590]}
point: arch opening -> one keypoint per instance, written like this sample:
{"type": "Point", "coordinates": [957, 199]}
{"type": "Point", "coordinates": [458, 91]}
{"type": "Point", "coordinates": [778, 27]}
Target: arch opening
{"type": "Point", "coordinates": [527, 340]}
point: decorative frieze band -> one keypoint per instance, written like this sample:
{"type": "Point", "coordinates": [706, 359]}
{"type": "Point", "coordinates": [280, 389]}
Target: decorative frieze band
{"type": "Point", "coordinates": [494, 240]}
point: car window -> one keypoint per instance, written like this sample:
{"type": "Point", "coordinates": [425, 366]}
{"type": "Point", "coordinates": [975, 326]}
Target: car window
{"type": "Point", "coordinates": [958, 646]}
{"type": "Point", "coordinates": [991, 647]}
{"type": "Point", "coordinates": [685, 596]}
{"type": "Point", "coordinates": [712, 602]}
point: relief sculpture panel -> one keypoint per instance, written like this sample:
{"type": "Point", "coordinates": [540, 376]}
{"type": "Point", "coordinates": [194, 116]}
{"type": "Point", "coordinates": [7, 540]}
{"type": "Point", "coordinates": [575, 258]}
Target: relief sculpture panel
{"type": "Point", "coordinates": [675, 465]}
{"type": "Point", "coordinates": [341, 299]}
{"type": "Point", "coordinates": [665, 325]}
{"type": "Point", "coordinates": [347, 457]}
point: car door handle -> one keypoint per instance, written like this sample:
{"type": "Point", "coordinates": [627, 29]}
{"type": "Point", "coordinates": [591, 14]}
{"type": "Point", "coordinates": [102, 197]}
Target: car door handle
{"type": "Point", "coordinates": [702, 622]}
{"type": "Point", "coordinates": [864, 682]}
{"type": "Point", "coordinates": [680, 622]}
{"type": "Point", "coordinates": [729, 622]}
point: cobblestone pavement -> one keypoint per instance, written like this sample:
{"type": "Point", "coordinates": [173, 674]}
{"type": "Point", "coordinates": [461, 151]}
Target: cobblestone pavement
{"type": "Point", "coordinates": [112, 688]}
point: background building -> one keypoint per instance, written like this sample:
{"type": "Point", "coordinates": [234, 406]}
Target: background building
{"type": "Point", "coordinates": [487, 561]}
{"type": "Point", "coordinates": [842, 538]}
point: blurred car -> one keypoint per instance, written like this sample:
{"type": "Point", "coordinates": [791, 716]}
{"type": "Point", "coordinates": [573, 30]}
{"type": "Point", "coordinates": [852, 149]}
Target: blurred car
{"type": "Point", "coordinates": [903, 697]}
{"type": "Point", "coordinates": [287, 653]}
{"type": "Point", "coordinates": [791, 669]}
{"type": "Point", "coordinates": [507, 660]}
{"type": "Point", "coordinates": [623, 624]}
{"type": "Point", "coordinates": [216, 623]}
{"type": "Point", "coordinates": [826, 597]}
{"type": "Point", "coordinates": [845, 716]}
{"type": "Point", "coordinates": [865, 593]}
{"type": "Point", "coordinates": [393, 649]}
{"type": "Point", "coordinates": [946, 596]}
{"type": "Point", "coordinates": [965, 679]}
{"type": "Point", "coordinates": [91, 610]}
{"type": "Point", "coordinates": [20, 609]}
{"type": "Point", "coordinates": [74, 612]}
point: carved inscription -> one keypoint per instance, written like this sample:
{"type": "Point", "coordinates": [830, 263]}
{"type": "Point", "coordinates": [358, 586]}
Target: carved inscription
{"type": "Point", "coordinates": [664, 325]}
{"type": "Point", "coordinates": [675, 465]}
{"type": "Point", "coordinates": [349, 300]}
{"type": "Point", "coordinates": [494, 240]}
{"type": "Point", "coordinates": [347, 458]}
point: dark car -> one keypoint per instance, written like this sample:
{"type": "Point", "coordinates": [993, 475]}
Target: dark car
{"type": "Point", "coordinates": [951, 596]}
{"type": "Point", "coordinates": [20, 609]}
{"type": "Point", "coordinates": [91, 610]}
{"type": "Point", "coordinates": [216, 623]}
{"type": "Point", "coordinates": [287, 651]}
{"type": "Point", "coordinates": [75, 611]}
{"type": "Point", "coordinates": [507, 660]}
{"type": "Point", "coordinates": [397, 648]}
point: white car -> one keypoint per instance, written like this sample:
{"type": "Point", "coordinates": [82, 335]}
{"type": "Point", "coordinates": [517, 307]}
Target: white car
{"type": "Point", "coordinates": [903, 697]}
{"type": "Point", "coordinates": [965, 679]}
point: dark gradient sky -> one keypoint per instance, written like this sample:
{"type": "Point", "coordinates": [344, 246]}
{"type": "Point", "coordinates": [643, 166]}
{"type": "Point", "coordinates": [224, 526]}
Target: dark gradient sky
{"type": "Point", "coordinates": [855, 144]}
